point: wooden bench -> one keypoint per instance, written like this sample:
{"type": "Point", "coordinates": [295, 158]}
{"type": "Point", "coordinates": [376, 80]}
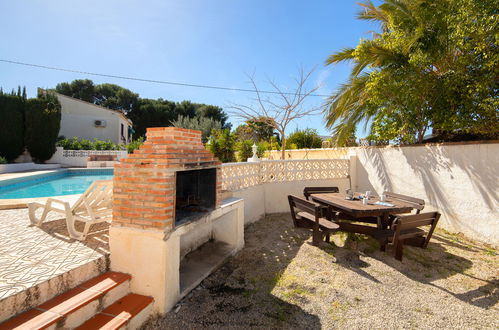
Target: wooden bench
{"type": "Point", "coordinates": [406, 229]}
{"type": "Point", "coordinates": [102, 160]}
{"type": "Point", "coordinates": [307, 214]}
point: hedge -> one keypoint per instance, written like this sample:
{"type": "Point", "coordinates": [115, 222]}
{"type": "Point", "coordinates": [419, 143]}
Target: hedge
{"type": "Point", "coordinates": [11, 126]}
{"type": "Point", "coordinates": [43, 121]}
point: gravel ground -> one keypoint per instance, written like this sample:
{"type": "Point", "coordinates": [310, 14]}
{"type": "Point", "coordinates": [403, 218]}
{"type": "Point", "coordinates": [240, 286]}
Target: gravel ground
{"type": "Point", "coordinates": [279, 280]}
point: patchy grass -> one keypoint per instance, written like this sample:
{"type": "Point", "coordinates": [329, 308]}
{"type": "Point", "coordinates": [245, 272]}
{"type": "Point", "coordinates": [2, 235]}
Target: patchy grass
{"type": "Point", "coordinates": [281, 281]}
{"type": "Point", "coordinates": [490, 251]}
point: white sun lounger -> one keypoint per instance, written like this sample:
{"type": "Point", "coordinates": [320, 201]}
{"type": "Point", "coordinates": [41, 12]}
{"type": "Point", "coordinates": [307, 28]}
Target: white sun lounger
{"type": "Point", "coordinates": [93, 206]}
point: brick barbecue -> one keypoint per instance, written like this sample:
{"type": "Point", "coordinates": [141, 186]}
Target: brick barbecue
{"type": "Point", "coordinates": [169, 180]}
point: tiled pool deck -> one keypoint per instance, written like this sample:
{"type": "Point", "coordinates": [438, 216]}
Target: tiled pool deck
{"type": "Point", "coordinates": [31, 255]}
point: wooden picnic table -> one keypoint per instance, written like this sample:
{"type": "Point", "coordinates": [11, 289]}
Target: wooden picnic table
{"type": "Point", "coordinates": [357, 210]}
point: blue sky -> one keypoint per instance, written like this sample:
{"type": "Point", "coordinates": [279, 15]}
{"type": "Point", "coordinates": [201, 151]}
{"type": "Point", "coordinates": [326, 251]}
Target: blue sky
{"type": "Point", "coordinates": [212, 42]}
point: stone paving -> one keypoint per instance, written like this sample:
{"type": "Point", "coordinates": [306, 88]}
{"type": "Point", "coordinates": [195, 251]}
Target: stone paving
{"type": "Point", "coordinates": [30, 255]}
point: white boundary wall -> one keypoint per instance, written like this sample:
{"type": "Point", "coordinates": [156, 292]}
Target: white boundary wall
{"type": "Point", "coordinates": [461, 181]}
{"type": "Point", "coordinates": [265, 185]}
{"type": "Point", "coordinates": [78, 158]}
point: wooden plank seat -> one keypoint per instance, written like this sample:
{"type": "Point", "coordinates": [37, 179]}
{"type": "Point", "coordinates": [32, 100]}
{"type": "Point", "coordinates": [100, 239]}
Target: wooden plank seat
{"type": "Point", "coordinates": [323, 222]}
{"type": "Point", "coordinates": [307, 214]}
{"type": "Point", "coordinates": [308, 191]}
{"type": "Point", "coordinates": [417, 203]}
{"type": "Point", "coordinates": [406, 229]}
{"type": "Point", "coordinates": [325, 210]}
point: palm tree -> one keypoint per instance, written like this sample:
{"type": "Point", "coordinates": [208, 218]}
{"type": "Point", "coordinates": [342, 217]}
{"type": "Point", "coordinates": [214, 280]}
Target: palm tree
{"type": "Point", "coordinates": [352, 103]}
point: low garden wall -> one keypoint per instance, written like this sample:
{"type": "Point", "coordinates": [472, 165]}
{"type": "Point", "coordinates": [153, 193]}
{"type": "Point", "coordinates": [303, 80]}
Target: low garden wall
{"type": "Point", "coordinates": [265, 185]}
{"type": "Point", "coordinates": [78, 158]}
{"type": "Point", "coordinates": [21, 167]}
{"type": "Point", "coordinates": [322, 153]}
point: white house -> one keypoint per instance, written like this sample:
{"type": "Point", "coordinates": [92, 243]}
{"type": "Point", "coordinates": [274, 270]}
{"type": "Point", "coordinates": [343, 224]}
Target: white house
{"type": "Point", "coordinates": [89, 121]}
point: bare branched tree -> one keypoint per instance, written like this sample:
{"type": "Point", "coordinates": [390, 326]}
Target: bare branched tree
{"type": "Point", "coordinates": [281, 107]}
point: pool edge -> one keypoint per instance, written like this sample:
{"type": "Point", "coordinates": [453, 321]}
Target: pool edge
{"type": "Point", "coordinates": [21, 203]}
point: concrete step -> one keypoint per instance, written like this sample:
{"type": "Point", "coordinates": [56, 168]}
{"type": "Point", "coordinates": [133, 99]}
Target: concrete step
{"type": "Point", "coordinates": [75, 306]}
{"type": "Point", "coordinates": [38, 293]}
{"type": "Point", "coordinates": [130, 312]}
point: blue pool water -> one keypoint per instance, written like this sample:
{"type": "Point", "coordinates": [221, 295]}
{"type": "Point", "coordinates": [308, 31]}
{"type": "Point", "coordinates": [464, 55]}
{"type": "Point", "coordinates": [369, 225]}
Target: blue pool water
{"type": "Point", "coordinates": [68, 182]}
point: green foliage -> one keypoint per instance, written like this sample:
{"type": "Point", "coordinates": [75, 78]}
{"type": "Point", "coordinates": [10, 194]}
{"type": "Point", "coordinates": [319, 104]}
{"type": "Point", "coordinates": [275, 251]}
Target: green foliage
{"type": "Point", "coordinates": [11, 125]}
{"type": "Point", "coordinates": [204, 124]}
{"type": "Point", "coordinates": [259, 129]}
{"type": "Point", "coordinates": [274, 144]}
{"type": "Point", "coordinates": [152, 113]}
{"type": "Point", "coordinates": [222, 144]}
{"type": "Point", "coordinates": [304, 139]}
{"type": "Point", "coordinates": [43, 120]}
{"type": "Point", "coordinates": [115, 97]}
{"type": "Point", "coordinates": [75, 143]}
{"type": "Point", "coordinates": [213, 112]}
{"type": "Point", "coordinates": [244, 150]}
{"type": "Point", "coordinates": [433, 65]}
{"type": "Point", "coordinates": [261, 148]}
{"type": "Point", "coordinates": [82, 89]}
{"type": "Point", "coordinates": [134, 145]}
{"type": "Point", "coordinates": [3, 160]}
{"type": "Point", "coordinates": [105, 145]}
{"type": "Point", "coordinates": [69, 144]}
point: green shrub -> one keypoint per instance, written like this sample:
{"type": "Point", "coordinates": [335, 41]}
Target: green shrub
{"type": "Point", "coordinates": [3, 160]}
{"type": "Point", "coordinates": [42, 124]}
{"type": "Point", "coordinates": [304, 139]}
{"type": "Point", "coordinates": [204, 124]}
{"type": "Point", "coordinates": [86, 145]}
{"type": "Point", "coordinates": [261, 148]}
{"type": "Point", "coordinates": [105, 145]}
{"type": "Point", "coordinates": [11, 126]}
{"type": "Point", "coordinates": [83, 144]}
{"type": "Point", "coordinates": [222, 145]}
{"type": "Point", "coordinates": [135, 144]}
{"type": "Point", "coordinates": [244, 150]}
{"type": "Point", "coordinates": [69, 144]}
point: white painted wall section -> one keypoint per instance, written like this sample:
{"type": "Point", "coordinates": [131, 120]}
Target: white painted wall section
{"type": "Point", "coordinates": [78, 119]}
{"type": "Point", "coordinates": [460, 181]}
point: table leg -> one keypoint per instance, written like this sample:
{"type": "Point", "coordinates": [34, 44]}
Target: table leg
{"type": "Point", "coordinates": [316, 235]}
{"type": "Point", "coordinates": [384, 220]}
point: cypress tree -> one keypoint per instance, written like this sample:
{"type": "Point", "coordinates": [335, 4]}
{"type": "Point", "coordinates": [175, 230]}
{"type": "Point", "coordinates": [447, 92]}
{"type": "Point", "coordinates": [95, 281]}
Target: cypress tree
{"type": "Point", "coordinates": [43, 121]}
{"type": "Point", "coordinates": [11, 126]}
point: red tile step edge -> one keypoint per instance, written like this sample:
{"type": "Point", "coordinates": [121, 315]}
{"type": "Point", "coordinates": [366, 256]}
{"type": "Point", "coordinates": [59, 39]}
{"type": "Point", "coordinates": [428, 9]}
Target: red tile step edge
{"type": "Point", "coordinates": [59, 307]}
{"type": "Point", "coordinates": [118, 314]}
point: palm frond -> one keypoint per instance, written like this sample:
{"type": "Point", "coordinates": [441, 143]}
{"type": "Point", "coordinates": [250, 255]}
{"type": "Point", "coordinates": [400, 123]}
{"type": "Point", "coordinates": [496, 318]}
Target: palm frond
{"type": "Point", "coordinates": [372, 13]}
{"type": "Point", "coordinates": [346, 54]}
{"type": "Point", "coordinates": [347, 107]}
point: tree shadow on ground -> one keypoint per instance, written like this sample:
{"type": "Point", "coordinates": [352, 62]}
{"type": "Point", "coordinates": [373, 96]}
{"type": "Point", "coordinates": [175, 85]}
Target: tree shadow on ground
{"type": "Point", "coordinates": [348, 256]}
{"type": "Point", "coordinates": [239, 295]}
{"type": "Point", "coordinates": [427, 266]}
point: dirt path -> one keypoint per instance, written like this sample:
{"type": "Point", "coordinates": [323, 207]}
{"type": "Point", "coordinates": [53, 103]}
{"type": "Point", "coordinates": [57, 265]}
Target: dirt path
{"type": "Point", "coordinates": [281, 281]}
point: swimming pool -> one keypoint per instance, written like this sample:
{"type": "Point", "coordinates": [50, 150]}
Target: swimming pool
{"type": "Point", "coordinates": [62, 182]}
